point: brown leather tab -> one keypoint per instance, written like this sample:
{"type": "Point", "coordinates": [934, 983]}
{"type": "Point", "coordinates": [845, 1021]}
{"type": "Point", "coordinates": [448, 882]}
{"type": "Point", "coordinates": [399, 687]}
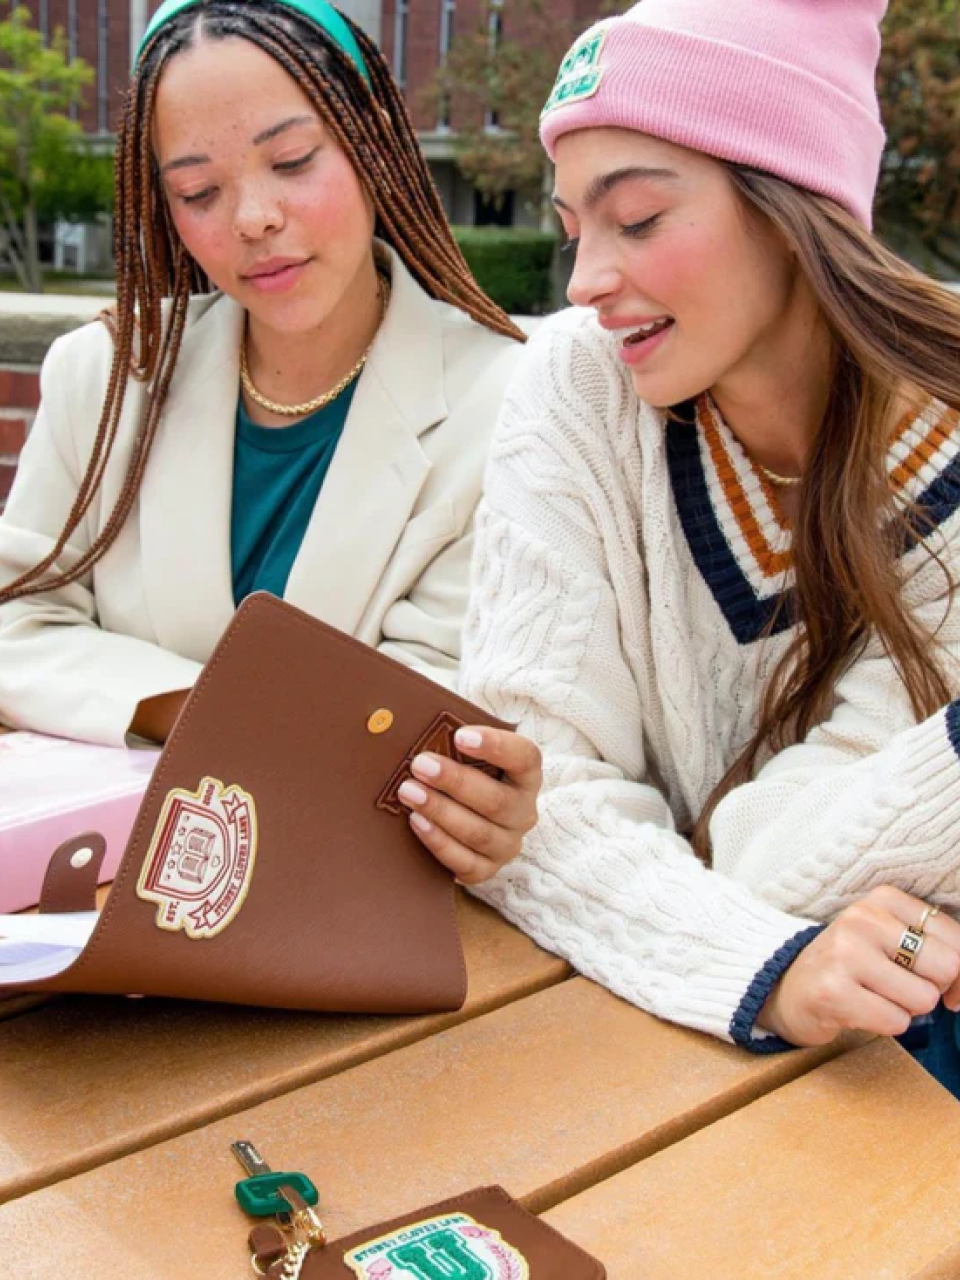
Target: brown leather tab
{"type": "Point", "coordinates": [73, 874]}
{"type": "Point", "coordinates": [267, 1243]}
{"type": "Point", "coordinates": [440, 740]}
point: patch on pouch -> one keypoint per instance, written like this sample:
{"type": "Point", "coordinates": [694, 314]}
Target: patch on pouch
{"type": "Point", "coordinates": [201, 858]}
{"type": "Point", "coordinates": [453, 1246]}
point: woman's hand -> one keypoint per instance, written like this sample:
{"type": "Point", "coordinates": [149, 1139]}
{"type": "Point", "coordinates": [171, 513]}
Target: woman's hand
{"type": "Point", "coordinates": [471, 822]}
{"type": "Point", "coordinates": [847, 976]}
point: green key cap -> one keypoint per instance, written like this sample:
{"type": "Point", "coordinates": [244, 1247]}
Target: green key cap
{"type": "Point", "coordinates": [260, 1194]}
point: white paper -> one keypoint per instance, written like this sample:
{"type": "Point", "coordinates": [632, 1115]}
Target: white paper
{"type": "Point", "coordinates": [66, 929]}
{"type": "Point", "coordinates": [41, 946]}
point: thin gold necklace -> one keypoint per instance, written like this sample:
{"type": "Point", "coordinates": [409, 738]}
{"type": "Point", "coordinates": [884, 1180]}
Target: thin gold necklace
{"type": "Point", "coordinates": [783, 482]}
{"type": "Point", "coordinates": [318, 402]}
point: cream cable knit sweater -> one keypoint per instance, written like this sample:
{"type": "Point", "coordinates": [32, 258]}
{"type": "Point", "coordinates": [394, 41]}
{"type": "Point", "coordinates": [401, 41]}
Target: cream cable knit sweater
{"type": "Point", "coordinates": [624, 573]}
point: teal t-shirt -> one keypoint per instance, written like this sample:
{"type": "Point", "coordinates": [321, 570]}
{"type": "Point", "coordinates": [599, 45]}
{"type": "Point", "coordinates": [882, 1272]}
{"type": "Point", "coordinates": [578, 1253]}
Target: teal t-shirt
{"type": "Point", "coordinates": [277, 476]}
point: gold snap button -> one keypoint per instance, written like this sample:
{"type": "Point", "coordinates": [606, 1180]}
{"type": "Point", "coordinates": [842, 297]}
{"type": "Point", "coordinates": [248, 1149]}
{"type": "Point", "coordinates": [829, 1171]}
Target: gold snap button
{"type": "Point", "coordinates": [380, 721]}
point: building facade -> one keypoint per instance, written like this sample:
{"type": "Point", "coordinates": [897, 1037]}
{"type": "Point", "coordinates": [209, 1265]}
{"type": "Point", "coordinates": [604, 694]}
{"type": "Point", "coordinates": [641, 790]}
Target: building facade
{"type": "Point", "coordinates": [414, 35]}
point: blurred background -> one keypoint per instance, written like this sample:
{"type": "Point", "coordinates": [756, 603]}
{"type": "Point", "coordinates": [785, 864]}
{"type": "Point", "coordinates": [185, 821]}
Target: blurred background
{"type": "Point", "coordinates": [475, 74]}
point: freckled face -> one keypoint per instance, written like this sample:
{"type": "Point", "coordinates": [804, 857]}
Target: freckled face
{"type": "Point", "coordinates": [261, 194]}
{"type": "Point", "coordinates": [693, 283]}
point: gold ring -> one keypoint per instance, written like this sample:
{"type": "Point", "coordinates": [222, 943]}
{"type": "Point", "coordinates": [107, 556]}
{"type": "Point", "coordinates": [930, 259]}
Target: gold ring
{"type": "Point", "coordinates": [927, 914]}
{"type": "Point", "coordinates": [908, 948]}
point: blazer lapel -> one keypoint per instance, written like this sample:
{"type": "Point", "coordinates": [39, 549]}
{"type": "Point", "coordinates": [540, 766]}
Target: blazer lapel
{"type": "Point", "coordinates": [379, 467]}
{"type": "Point", "coordinates": [185, 499]}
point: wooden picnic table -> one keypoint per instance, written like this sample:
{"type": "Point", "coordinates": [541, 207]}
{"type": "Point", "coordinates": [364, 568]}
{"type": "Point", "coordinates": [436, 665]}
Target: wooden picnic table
{"type": "Point", "coordinates": [666, 1153]}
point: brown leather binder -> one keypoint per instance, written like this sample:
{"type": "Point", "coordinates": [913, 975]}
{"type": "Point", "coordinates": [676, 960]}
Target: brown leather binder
{"type": "Point", "coordinates": [271, 862]}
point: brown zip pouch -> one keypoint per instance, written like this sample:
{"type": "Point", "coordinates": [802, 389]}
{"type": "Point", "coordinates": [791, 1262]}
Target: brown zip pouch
{"type": "Point", "coordinates": [271, 862]}
{"type": "Point", "coordinates": [480, 1235]}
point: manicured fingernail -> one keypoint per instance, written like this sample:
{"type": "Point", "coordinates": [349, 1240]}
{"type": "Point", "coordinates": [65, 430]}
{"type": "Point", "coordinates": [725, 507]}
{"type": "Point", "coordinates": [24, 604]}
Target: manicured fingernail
{"type": "Point", "coordinates": [410, 793]}
{"type": "Point", "coordinates": [426, 766]}
{"type": "Point", "coordinates": [419, 821]}
{"type": "Point", "coordinates": [469, 738]}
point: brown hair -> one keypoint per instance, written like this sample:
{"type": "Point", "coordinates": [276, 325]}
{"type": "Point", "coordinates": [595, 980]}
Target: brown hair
{"type": "Point", "coordinates": [895, 333]}
{"type": "Point", "coordinates": [372, 125]}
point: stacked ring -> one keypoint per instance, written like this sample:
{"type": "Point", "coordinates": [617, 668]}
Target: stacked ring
{"type": "Point", "coordinates": [908, 948]}
{"type": "Point", "coordinates": [927, 914]}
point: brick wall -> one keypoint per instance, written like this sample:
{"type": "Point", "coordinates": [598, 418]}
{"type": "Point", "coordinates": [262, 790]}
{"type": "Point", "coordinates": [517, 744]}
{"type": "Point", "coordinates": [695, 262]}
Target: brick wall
{"type": "Point", "coordinates": [111, 78]}
{"type": "Point", "coordinates": [19, 398]}
{"type": "Point", "coordinates": [423, 42]}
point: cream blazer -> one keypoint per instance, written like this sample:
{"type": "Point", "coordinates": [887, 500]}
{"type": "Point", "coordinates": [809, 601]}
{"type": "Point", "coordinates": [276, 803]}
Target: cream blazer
{"type": "Point", "coordinates": [385, 556]}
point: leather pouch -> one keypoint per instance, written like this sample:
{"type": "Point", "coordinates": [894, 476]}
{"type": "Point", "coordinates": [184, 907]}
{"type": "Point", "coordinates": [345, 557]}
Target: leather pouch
{"type": "Point", "coordinates": [271, 861]}
{"type": "Point", "coordinates": [480, 1235]}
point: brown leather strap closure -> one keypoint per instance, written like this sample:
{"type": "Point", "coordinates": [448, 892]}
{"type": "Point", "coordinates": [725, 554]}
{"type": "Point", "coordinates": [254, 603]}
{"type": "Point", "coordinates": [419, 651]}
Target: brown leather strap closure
{"type": "Point", "coordinates": [73, 874]}
{"type": "Point", "coordinates": [440, 738]}
{"type": "Point", "coordinates": [267, 1244]}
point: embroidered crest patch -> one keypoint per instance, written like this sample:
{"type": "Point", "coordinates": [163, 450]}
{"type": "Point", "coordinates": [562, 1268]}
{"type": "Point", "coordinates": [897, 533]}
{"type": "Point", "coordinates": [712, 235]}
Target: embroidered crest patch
{"type": "Point", "coordinates": [200, 861]}
{"type": "Point", "coordinates": [451, 1247]}
{"type": "Point", "coordinates": [579, 75]}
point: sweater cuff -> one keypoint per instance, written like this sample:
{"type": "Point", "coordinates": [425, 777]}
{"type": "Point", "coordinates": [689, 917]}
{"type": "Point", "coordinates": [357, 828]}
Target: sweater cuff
{"type": "Point", "coordinates": [952, 719]}
{"type": "Point", "coordinates": [743, 1023]}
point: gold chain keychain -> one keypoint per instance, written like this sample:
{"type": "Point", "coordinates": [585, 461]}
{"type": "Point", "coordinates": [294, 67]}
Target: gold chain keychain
{"type": "Point", "coordinates": [308, 1234]}
{"type": "Point", "coordinates": [286, 1197]}
{"type": "Point", "coordinates": [292, 1265]}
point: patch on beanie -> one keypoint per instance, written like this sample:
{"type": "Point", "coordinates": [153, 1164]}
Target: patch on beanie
{"type": "Point", "coordinates": [580, 73]}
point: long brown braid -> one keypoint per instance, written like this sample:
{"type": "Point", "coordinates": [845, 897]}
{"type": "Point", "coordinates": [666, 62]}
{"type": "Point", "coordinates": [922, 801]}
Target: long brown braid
{"type": "Point", "coordinates": [156, 274]}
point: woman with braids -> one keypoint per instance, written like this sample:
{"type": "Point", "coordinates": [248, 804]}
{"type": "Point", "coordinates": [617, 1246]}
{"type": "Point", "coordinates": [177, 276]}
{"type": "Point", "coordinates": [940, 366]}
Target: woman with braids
{"type": "Point", "coordinates": [296, 395]}
{"type": "Point", "coordinates": [717, 555]}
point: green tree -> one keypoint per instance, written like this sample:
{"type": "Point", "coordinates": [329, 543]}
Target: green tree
{"type": "Point", "coordinates": [502, 77]}
{"type": "Point", "coordinates": [38, 142]}
{"type": "Point", "coordinates": [494, 83]}
{"type": "Point", "coordinates": [80, 190]}
{"type": "Point", "coordinates": [919, 85]}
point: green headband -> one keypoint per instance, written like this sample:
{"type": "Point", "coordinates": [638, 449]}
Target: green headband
{"type": "Point", "coordinates": [318, 11]}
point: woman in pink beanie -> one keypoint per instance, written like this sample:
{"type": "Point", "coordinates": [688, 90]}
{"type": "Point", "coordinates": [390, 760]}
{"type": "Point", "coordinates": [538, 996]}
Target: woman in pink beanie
{"type": "Point", "coordinates": [717, 558]}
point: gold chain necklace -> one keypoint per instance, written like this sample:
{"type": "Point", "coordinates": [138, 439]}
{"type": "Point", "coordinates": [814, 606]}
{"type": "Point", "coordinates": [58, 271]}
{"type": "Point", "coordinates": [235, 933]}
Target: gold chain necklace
{"type": "Point", "coordinates": [784, 482]}
{"type": "Point", "coordinates": [318, 402]}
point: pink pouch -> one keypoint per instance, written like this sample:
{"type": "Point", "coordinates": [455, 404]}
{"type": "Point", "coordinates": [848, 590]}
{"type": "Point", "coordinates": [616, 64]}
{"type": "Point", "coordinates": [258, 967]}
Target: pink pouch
{"type": "Point", "coordinates": [52, 788]}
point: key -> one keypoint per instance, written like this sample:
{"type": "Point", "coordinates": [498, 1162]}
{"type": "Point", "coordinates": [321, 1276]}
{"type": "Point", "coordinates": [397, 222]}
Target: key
{"type": "Point", "coordinates": [261, 1192]}
{"type": "Point", "coordinates": [250, 1158]}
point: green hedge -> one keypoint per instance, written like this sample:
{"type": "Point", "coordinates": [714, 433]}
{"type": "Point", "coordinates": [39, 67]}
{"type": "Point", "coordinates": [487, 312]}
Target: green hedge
{"type": "Point", "coordinates": [512, 264]}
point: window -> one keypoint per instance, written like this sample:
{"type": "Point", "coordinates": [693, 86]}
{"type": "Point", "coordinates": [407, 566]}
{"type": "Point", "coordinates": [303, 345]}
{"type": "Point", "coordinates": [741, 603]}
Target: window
{"type": "Point", "coordinates": [138, 25]}
{"type": "Point", "coordinates": [103, 81]}
{"type": "Point", "coordinates": [400, 42]}
{"type": "Point", "coordinates": [73, 43]}
{"type": "Point", "coordinates": [447, 12]}
{"type": "Point", "coordinates": [491, 120]}
{"type": "Point", "coordinates": [448, 9]}
{"type": "Point", "coordinates": [493, 213]}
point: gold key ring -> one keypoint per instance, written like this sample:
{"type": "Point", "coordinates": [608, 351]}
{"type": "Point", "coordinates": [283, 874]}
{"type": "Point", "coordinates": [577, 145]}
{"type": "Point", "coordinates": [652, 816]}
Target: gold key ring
{"type": "Point", "coordinates": [309, 1225]}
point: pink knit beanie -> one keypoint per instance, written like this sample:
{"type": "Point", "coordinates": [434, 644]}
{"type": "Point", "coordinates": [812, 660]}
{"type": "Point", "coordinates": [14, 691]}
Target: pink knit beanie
{"type": "Point", "coordinates": [781, 85]}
